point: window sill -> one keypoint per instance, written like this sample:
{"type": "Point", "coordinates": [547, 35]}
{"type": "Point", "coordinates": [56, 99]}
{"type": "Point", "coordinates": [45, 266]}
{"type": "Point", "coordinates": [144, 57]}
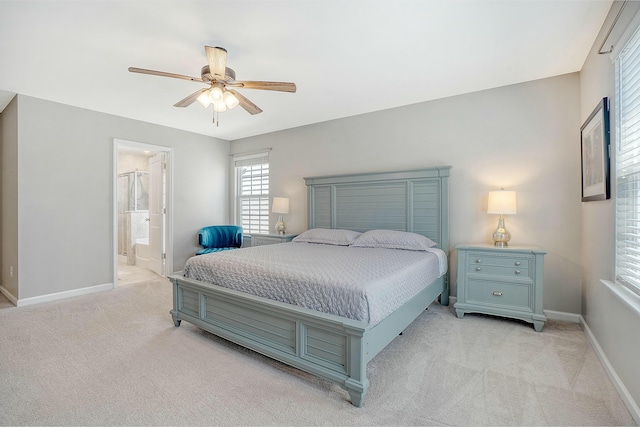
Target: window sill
{"type": "Point", "coordinates": [628, 297]}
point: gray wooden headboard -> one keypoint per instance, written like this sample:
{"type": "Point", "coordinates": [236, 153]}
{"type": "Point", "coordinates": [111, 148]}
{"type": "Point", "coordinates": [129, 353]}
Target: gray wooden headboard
{"type": "Point", "coordinates": [414, 200]}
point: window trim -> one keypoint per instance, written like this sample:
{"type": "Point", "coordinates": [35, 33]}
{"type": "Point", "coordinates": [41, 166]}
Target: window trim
{"type": "Point", "coordinates": [624, 294]}
{"type": "Point", "coordinates": [238, 160]}
{"type": "Point", "coordinates": [621, 161]}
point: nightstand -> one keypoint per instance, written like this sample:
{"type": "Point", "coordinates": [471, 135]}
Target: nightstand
{"type": "Point", "coordinates": [504, 282]}
{"type": "Point", "coordinates": [270, 239]}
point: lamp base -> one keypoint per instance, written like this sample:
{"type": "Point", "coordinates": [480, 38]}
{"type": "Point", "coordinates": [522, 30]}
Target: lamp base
{"type": "Point", "coordinates": [501, 236]}
{"type": "Point", "coordinates": [281, 226]}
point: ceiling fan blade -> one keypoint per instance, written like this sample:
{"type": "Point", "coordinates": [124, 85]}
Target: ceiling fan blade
{"type": "Point", "coordinates": [163, 74]}
{"type": "Point", "coordinates": [279, 86]}
{"type": "Point", "coordinates": [190, 99]}
{"type": "Point", "coordinates": [246, 104]}
{"type": "Point", "coordinates": [217, 57]}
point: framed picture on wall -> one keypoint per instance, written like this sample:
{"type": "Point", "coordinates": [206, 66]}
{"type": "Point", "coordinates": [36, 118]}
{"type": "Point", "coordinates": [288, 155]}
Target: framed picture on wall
{"type": "Point", "coordinates": [594, 135]}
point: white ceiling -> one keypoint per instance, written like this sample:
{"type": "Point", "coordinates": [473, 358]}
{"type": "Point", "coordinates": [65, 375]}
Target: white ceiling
{"type": "Point", "coordinates": [346, 57]}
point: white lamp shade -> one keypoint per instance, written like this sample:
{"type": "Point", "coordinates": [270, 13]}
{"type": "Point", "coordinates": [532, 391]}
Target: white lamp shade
{"type": "Point", "coordinates": [204, 99]}
{"type": "Point", "coordinates": [502, 202]}
{"type": "Point", "coordinates": [280, 205]}
{"type": "Point", "coordinates": [219, 106]}
{"type": "Point", "coordinates": [216, 94]}
{"type": "Point", "coordinates": [230, 99]}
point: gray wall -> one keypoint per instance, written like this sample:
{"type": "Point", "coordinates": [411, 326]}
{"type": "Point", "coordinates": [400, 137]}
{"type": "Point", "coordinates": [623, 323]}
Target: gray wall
{"type": "Point", "coordinates": [615, 326]}
{"type": "Point", "coordinates": [65, 193]}
{"type": "Point", "coordinates": [9, 196]}
{"type": "Point", "coordinates": [523, 137]}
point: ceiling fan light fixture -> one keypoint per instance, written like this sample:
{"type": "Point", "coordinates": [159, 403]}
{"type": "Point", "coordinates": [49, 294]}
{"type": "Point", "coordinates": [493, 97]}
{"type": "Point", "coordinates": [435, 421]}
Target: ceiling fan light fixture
{"type": "Point", "coordinates": [219, 107]}
{"type": "Point", "coordinates": [231, 101]}
{"type": "Point", "coordinates": [217, 76]}
{"type": "Point", "coordinates": [204, 99]}
{"type": "Point", "coordinates": [216, 94]}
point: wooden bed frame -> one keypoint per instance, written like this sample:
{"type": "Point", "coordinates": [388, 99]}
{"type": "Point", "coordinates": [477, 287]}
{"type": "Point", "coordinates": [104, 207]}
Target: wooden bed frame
{"type": "Point", "coordinates": [326, 345]}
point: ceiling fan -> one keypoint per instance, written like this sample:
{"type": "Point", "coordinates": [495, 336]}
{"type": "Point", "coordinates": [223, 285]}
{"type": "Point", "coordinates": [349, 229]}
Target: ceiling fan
{"type": "Point", "coordinates": [222, 83]}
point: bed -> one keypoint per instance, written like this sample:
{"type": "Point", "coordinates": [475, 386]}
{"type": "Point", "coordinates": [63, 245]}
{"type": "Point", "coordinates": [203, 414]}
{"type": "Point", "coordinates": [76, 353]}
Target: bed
{"type": "Point", "coordinates": [333, 345]}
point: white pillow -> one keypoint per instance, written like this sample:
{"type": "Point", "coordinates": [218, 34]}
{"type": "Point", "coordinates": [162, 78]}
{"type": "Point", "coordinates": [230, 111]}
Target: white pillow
{"type": "Point", "coordinates": [328, 236]}
{"type": "Point", "coordinates": [393, 240]}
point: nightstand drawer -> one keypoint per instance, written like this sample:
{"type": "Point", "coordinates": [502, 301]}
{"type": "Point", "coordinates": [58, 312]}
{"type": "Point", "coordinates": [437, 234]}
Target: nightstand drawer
{"type": "Point", "coordinates": [506, 266]}
{"type": "Point", "coordinates": [270, 239]}
{"type": "Point", "coordinates": [262, 240]}
{"type": "Point", "coordinates": [499, 293]}
{"type": "Point", "coordinates": [505, 282]}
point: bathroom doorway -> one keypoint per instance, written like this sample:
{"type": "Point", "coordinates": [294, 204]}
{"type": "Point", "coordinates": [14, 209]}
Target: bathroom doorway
{"type": "Point", "coordinates": [142, 212]}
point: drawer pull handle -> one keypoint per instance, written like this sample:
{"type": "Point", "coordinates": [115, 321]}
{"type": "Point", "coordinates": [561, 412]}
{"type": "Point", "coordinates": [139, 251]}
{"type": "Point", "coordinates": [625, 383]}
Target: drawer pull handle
{"type": "Point", "coordinates": [478, 261]}
{"type": "Point", "coordinates": [497, 293]}
{"type": "Point", "coordinates": [517, 271]}
{"type": "Point", "coordinates": [478, 269]}
{"type": "Point", "coordinates": [517, 263]}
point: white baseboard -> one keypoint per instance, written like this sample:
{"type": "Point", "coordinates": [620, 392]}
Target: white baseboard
{"type": "Point", "coordinates": [554, 315]}
{"type": "Point", "coordinates": [561, 315]}
{"type": "Point", "coordinates": [4, 291]}
{"type": "Point", "coordinates": [631, 404]}
{"type": "Point", "coordinates": [61, 295]}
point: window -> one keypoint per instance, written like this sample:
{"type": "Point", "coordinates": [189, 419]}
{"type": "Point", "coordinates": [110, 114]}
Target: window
{"type": "Point", "coordinates": [252, 192]}
{"type": "Point", "coordinates": [628, 165]}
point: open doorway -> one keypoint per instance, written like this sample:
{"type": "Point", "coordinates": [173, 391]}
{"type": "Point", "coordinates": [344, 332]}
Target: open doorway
{"type": "Point", "coordinates": [142, 212]}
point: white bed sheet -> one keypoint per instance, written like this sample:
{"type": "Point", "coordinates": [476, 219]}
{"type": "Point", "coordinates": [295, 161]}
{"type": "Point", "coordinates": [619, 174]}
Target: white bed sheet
{"type": "Point", "coordinates": [365, 284]}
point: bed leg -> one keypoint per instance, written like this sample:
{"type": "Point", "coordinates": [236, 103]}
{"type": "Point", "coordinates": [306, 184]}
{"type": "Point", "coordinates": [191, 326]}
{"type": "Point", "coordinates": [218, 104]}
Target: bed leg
{"type": "Point", "coordinates": [444, 299]}
{"type": "Point", "coordinates": [357, 391]}
{"type": "Point", "coordinates": [176, 321]}
{"type": "Point", "coordinates": [444, 296]}
{"type": "Point", "coordinates": [357, 384]}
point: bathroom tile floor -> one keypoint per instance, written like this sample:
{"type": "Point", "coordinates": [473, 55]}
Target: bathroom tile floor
{"type": "Point", "coordinates": [129, 274]}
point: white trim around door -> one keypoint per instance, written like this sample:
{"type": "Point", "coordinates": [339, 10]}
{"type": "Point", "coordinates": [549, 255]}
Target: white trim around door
{"type": "Point", "coordinates": [121, 144]}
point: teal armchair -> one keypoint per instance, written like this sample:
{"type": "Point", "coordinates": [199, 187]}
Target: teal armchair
{"type": "Point", "coordinates": [216, 238]}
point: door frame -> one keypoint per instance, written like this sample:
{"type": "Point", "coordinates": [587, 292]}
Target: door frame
{"type": "Point", "coordinates": [168, 228]}
{"type": "Point", "coordinates": [157, 218]}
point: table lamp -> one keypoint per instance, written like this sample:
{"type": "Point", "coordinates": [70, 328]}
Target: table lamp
{"type": "Point", "coordinates": [501, 203]}
{"type": "Point", "coordinates": [280, 206]}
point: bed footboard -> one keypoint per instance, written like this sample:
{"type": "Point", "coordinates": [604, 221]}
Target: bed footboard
{"type": "Point", "coordinates": [325, 345]}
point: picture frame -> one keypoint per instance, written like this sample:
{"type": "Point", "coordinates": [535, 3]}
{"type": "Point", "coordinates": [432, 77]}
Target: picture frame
{"type": "Point", "coordinates": [595, 153]}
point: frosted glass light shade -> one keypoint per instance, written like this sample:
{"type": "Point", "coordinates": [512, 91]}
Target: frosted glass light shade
{"type": "Point", "coordinates": [216, 94]}
{"type": "Point", "coordinates": [230, 99]}
{"type": "Point", "coordinates": [502, 202]}
{"type": "Point", "coordinates": [280, 205]}
{"type": "Point", "coordinates": [219, 107]}
{"type": "Point", "coordinates": [204, 99]}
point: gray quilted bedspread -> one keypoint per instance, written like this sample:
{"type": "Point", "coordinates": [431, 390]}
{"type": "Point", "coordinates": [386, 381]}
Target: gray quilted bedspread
{"type": "Point", "coordinates": [365, 284]}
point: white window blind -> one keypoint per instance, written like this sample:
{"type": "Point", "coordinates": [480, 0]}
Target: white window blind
{"type": "Point", "coordinates": [628, 165]}
{"type": "Point", "coordinates": [252, 174]}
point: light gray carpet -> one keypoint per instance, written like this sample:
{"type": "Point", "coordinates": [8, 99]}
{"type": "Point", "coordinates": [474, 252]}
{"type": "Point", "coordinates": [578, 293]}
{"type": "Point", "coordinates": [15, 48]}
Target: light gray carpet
{"type": "Point", "coordinates": [115, 358]}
